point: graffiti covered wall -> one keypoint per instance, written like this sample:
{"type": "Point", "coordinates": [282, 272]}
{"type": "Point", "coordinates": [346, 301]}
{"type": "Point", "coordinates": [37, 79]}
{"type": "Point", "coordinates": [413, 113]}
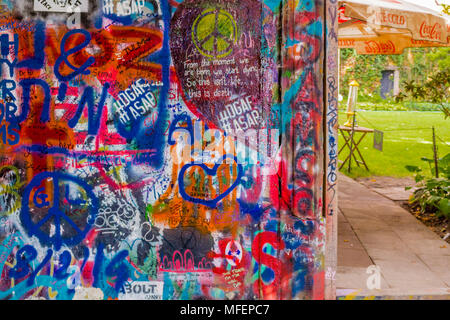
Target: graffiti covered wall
{"type": "Point", "coordinates": [164, 149]}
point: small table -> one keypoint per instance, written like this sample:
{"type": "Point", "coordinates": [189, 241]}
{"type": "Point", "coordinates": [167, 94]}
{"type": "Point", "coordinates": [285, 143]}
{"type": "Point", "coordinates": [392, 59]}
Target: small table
{"type": "Point", "coordinates": [350, 139]}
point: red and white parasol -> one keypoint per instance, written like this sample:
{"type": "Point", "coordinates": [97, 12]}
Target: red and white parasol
{"type": "Point", "coordinates": [389, 26]}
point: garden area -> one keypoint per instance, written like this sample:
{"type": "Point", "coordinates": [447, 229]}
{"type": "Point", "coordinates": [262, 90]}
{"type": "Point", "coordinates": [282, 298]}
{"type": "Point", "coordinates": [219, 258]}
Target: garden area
{"type": "Point", "coordinates": [410, 153]}
{"type": "Point", "coordinates": [407, 137]}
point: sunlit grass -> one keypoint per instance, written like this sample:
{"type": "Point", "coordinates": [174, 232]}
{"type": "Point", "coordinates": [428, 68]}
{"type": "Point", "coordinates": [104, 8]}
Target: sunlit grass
{"type": "Point", "coordinates": [407, 138]}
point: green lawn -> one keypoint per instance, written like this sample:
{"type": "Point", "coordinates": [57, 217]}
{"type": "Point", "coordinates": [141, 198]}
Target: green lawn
{"type": "Point", "coordinates": [405, 141]}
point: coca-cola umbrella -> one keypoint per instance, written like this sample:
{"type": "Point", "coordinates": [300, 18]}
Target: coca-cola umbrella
{"type": "Point", "coordinates": [390, 26]}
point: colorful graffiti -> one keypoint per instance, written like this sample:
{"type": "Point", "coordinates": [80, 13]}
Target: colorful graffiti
{"type": "Point", "coordinates": [331, 161]}
{"type": "Point", "coordinates": [164, 149]}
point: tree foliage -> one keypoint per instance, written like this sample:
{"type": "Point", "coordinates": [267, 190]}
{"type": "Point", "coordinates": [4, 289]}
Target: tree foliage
{"type": "Point", "coordinates": [415, 66]}
{"type": "Point", "coordinates": [365, 69]}
{"type": "Point", "coordinates": [436, 89]}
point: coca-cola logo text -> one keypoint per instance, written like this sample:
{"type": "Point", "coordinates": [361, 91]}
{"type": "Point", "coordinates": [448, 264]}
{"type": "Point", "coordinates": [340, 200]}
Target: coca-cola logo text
{"type": "Point", "coordinates": [432, 32]}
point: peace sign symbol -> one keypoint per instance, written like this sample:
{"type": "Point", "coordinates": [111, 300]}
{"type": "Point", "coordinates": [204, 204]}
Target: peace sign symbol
{"type": "Point", "coordinates": [68, 219]}
{"type": "Point", "coordinates": [214, 32]}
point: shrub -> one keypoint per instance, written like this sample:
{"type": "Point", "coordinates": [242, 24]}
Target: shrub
{"type": "Point", "coordinates": [433, 194]}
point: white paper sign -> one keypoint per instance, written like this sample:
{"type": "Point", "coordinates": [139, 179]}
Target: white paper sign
{"type": "Point", "coordinates": [65, 6]}
{"type": "Point", "coordinates": [142, 290]}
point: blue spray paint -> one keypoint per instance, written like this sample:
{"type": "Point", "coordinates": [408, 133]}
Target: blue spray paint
{"type": "Point", "coordinates": [55, 213]}
{"type": "Point", "coordinates": [212, 203]}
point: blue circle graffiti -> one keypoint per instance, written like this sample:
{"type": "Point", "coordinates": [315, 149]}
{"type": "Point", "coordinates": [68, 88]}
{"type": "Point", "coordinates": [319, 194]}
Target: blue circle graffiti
{"type": "Point", "coordinates": [54, 234]}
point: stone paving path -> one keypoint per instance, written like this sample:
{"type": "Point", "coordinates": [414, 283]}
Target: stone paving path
{"type": "Point", "coordinates": [373, 230]}
{"type": "Point", "coordinates": [392, 188]}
